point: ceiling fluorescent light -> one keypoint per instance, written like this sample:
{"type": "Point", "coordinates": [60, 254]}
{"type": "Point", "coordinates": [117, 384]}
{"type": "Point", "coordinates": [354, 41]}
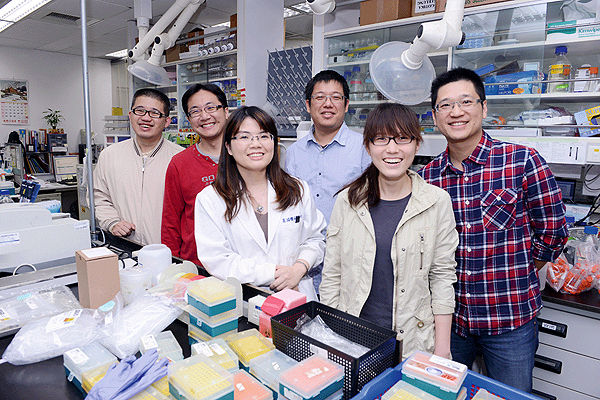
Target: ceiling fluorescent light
{"type": "Point", "coordinates": [4, 25]}
{"type": "Point", "coordinates": [118, 54]}
{"type": "Point", "coordinates": [18, 9]}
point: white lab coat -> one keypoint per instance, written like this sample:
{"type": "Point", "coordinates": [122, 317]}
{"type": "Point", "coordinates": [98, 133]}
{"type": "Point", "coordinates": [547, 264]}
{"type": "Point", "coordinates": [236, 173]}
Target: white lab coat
{"type": "Point", "coordinates": [239, 248]}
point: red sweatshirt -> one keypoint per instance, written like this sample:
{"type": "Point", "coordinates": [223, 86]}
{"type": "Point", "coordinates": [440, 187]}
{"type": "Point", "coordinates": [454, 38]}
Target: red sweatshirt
{"type": "Point", "coordinates": [188, 173]}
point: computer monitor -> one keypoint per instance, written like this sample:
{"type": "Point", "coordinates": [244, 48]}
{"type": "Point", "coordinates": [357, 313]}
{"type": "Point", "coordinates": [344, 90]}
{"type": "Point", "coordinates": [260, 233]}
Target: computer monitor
{"type": "Point", "coordinates": [65, 168]}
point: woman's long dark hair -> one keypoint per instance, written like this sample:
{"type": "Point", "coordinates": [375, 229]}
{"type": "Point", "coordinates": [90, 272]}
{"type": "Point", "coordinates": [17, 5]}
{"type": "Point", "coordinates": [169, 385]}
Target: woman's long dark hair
{"type": "Point", "coordinates": [230, 185]}
{"type": "Point", "coordinates": [388, 119]}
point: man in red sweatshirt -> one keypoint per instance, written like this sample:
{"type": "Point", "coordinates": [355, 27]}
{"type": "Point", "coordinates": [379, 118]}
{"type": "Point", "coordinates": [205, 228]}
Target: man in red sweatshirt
{"type": "Point", "coordinates": [193, 169]}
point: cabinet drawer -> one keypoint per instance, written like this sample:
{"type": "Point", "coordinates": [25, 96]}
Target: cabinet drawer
{"type": "Point", "coordinates": [581, 332]}
{"type": "Point", "coordinates": [559, 392]}
{"type": "Point", "coordinates": [577, 372]}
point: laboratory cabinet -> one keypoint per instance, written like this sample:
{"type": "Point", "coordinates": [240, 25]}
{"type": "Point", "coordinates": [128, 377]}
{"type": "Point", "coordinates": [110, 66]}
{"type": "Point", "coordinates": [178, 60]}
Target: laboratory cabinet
{"type": "Point", "coordinates": [568, 357]}
{"type": "Point", "coordinates": [527, 104]}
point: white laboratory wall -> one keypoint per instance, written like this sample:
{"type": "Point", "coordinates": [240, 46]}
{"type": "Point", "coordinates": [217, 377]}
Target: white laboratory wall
{"type": "Point", "coordinates": [56, 81]}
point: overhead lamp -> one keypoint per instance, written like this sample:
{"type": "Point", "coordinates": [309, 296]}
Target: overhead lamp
{"type": "Point", "coordinates": [150, 70]}
{"type": "Point", "coordinates": [403, 72]}
{"type": "Point", "coordinates": [16, 10]}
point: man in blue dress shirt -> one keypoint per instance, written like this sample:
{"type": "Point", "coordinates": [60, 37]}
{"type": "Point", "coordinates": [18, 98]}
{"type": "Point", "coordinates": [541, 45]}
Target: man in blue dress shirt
{"type": "Point", "coordinates": [331, 155]}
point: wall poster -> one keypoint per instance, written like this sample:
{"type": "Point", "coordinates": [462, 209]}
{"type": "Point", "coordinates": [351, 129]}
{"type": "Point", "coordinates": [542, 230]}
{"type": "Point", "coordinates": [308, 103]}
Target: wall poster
{"type": "Point", "coordinates": [14, 106]}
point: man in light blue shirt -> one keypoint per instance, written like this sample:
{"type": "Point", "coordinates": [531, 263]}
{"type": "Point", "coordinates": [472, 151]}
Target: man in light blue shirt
{"type": "Point", "coordinates": [331, 155]}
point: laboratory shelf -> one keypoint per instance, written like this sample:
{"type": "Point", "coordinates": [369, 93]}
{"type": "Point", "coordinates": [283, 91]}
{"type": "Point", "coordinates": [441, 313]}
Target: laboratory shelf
{"type": "Point", "coordinates": [200, 58]}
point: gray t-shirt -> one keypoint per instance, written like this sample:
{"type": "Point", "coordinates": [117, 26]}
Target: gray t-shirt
{"type": "Point", "coordinates": [385, 216]}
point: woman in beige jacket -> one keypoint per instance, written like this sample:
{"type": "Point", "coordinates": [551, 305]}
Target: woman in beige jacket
{"type": "Point", "coordinates": [391, 241]}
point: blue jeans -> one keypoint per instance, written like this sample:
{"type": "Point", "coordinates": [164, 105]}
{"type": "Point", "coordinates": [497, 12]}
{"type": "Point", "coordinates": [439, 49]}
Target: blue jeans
{"type": "Point", "coordinates": [508, 357]}
{"type": "Point", "coordinates": [315, 273]}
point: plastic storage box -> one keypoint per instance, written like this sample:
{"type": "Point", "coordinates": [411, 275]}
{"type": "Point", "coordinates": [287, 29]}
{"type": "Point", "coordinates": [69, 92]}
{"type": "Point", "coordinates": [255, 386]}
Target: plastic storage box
{"type": "Point", "coordinates": [196, 335]}
{"type": "Point", "coordinates": [165, 343]}
{"type": "Point", "coordinates": [315, 378]}
{"type": "Point", "coordinates": [473, 382]}
{"type": "Point", "coordinates": [211, 296]}
{"type": "Point", "coordinates": [358, 371]}
{"type": "Point", "coordinates": [86, 359]}
{"type": "Point", "coordinates": [436, 375]}
{"type": "Point", "coordinates": [269, 367]}
{"type": "Point", "coordinates": [90, 378]}
{"type": "Point", "coordinates": [199, 378]}
{"type": "Point", "coordinates": [247, 387]}
{"type": "Point", "coordinates": [162, 385]}
{"type": "Point", "coordinates": [248, 345]}
{"type": "Point", "coordinates": [405, 391]}
{"type": "Point", "coordinates": [218, 351]}
{"type": "Point", "coordinates": [213, 325]}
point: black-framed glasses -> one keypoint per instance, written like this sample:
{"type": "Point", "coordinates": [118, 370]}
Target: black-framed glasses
{"type": "Point", "coordinates": [262, 137]}
{"type": "Point", "coordinates": [464, 104]}
{"type": "Point", "coordinates": [322, 98]}
{"type": "Point", "coordinates": [141, 111]}
{"type": "Point", "coordinates": [385, 140]}
{"type": "Point", "coordinates": [209, 109]}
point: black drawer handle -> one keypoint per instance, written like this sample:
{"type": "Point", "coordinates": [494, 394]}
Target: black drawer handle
{"type": "Point", "coordinates": [552, 328]}
{"type": "Point", "coordinates": [547, 363]}
{"type": "Point", "coordinates": [543, 395]}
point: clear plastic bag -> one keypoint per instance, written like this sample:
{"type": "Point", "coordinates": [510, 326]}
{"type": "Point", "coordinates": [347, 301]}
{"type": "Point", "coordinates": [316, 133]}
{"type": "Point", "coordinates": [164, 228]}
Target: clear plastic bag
{"type": "Point", "coordinates": [318, 329]}
{"type": "Point", "coordinates": [32, 304]}
{"type": "Point", "coordinates": [50, 337]}
{"type": "Point", "coordinates": [145, 315]}
{"type": "Point", "coordinates": [557, 272]}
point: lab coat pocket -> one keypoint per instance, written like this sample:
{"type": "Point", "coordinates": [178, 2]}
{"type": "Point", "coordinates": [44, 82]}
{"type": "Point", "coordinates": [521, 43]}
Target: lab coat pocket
{"type": "Point", "coordinates": [499, 208]}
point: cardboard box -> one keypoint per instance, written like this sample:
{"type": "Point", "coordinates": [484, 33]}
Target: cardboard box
{"type": "Point", "coordinates": [441, 4]}
{"type": "Point", "coordinates": [195, 32]}
{"type": "Point", "coordinates": [421, 7]}
{"type": "Point", "coordinates": [559, 32]}
{"type": "Point", "coordinates": [372, 11]}
{"type": "Point", "coordinates": [233, 21]}
{"type": "Point", "coordinates": [97, 276]}
{"type": "Point", "coordinates": [172, 53]}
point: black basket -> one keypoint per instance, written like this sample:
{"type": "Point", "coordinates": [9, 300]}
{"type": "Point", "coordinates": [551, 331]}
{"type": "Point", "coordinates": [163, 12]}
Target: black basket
{"type": "Point", "coordinates": [357, 371]}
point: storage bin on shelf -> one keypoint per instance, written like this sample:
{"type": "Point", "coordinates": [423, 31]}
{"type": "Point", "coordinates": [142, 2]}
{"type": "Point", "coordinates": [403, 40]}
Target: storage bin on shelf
{"type": "Point", "coordinates": [85, 360]}
{"type": "Point", "coordinates": [473, 382]}
{"type": "Point", "coordinates": [199, 378]}
{"type": "Point", "coordinates": [381, 343]}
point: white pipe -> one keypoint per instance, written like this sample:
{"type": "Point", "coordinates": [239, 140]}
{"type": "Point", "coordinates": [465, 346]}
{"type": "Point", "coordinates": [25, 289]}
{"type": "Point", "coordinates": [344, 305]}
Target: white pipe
{"type": "Point", "coordinates": [138, 51]}
{"type": "Point", "coordinates": [436, 35]}
{"type": "Point", "coordinates": [181, 21]}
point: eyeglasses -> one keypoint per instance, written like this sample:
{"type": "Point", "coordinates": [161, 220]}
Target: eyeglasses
{"type": "Point", "coordinates": [246, 138]}
{"type": "Point", "coordinates": [385, 140]}
{"type": "Point", "coordinates": [210, 109]}
{"type": "Point", "coordinates": [464, 104]}
{"type": "Point", "coordinates": [140, 111]}
{"type": "Point", "coordinates": [322, 98]}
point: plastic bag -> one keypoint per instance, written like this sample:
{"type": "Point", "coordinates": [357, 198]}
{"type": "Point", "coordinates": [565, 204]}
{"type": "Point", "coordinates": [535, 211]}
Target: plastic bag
{"type": "Point", "coordinates": [318, 329]}
{"type": "Point", "coordinates": [557, 272]}
{"type": "Point", "coordinates": [50, 337]}
{"type": "Point", "coordinates": [33, 304]}
{"type": "Point", "coordinates": [145, 315]}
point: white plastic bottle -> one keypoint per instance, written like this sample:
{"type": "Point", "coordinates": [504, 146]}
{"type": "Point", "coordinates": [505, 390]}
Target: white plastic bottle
{"type": "Point", "coordinates": [356, 84]}
{"type": "Point", "coordinates": [559, 70]}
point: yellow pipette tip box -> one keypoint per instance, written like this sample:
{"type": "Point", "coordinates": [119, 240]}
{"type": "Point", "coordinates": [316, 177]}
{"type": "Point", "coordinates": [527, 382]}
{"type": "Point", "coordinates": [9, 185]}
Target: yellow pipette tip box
{"type": "Point", "coordinates": [249, 344]}
{"type": "Point", "coordinates": [199, 378]}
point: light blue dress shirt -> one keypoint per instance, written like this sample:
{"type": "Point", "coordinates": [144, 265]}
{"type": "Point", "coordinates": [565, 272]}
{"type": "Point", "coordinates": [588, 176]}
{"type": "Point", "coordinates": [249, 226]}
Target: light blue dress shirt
{"type": "Point", "coordinates": [327, 169]}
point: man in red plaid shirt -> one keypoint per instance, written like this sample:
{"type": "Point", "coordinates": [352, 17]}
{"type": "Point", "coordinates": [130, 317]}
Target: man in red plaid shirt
{"type": "Point", "coordinates": [511, 221]}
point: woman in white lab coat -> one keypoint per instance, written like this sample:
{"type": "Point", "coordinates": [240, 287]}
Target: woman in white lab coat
{"type": "Point", "coordinates": [256, 222]}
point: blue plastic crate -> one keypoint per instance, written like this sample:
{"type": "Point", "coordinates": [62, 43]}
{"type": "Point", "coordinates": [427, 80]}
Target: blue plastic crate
{"type": "Point", "coordinates": [473, 382]}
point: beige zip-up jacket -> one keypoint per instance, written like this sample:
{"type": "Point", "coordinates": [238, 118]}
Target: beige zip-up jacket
{"type": "Point", "coordinates": [423, 250]}
{"type": "Point", "coordinates": [129, 186]}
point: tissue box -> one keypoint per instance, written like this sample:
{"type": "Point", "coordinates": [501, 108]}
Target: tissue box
{"type": "Point", "coordinates": [512, 88]}
{"type": "Point", "coordinates": [566, 30]}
